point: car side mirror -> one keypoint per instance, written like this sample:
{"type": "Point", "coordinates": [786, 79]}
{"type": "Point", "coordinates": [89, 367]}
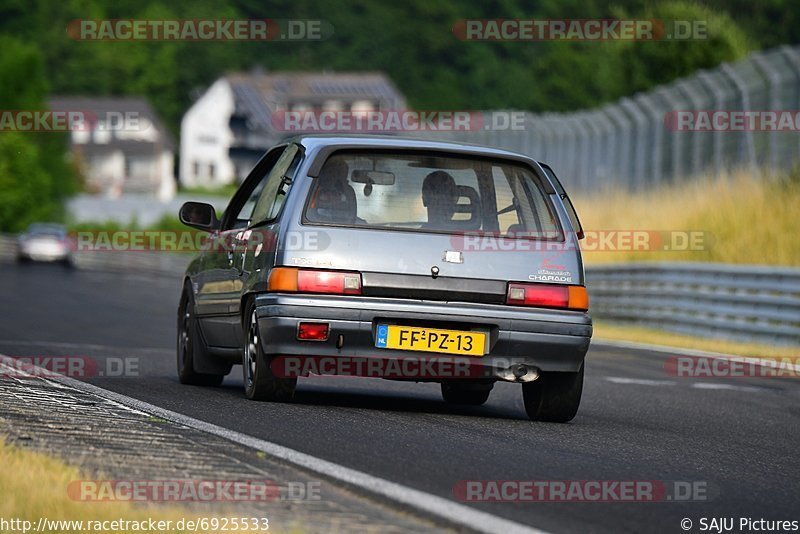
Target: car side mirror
{"type": "Point", "coordinates": [199, 215]}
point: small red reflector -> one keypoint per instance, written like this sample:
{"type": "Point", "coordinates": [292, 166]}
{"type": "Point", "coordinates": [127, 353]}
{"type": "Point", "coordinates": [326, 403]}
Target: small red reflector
{"type": "Point", "coordinates": [312, 331]}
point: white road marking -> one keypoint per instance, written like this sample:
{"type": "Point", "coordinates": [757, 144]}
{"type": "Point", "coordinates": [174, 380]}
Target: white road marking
{"type": "Point", "coordinates": [711, 385]}
{"type": "Point", "coordinates": [639, 381]}
{"type": "Point", "coordinates": [696, 385]}
{"type": "Point", "coordinates": [426, 503]}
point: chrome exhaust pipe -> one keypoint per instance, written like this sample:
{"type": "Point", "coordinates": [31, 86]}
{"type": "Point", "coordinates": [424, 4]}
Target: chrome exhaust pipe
{"type": "Point", "coordinates": [518, 372]}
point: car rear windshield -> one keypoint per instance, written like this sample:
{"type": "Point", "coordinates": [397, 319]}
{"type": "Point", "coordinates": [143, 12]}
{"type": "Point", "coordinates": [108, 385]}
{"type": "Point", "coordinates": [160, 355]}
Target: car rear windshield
{"type": "Point", "coordinates": [431, 193]}
{"type": "Point", "coordinates": [46, 230]}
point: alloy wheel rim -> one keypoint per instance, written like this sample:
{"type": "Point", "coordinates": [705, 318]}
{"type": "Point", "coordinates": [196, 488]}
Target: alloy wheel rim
{"type": "Point", "coordinates": [183, 338]}
{"type": "Point", "coordinates": [251, 351]}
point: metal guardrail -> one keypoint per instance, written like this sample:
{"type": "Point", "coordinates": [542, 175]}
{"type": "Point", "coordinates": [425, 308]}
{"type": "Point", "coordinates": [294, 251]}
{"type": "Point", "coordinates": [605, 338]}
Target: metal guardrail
{"type": "Point", "coordinates": [171, 263]}
{"type": "Point", "coordinates": [745, 303]}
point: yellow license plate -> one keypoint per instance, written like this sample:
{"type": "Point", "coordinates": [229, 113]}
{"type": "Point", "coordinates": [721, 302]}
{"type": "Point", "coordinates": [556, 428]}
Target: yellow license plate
{"type": "Point", "coordinates": [400, 337]}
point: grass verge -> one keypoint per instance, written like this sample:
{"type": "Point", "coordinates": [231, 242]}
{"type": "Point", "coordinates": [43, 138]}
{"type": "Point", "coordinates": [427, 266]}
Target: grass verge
{"type": "Point", "coordinates": [34, 485]}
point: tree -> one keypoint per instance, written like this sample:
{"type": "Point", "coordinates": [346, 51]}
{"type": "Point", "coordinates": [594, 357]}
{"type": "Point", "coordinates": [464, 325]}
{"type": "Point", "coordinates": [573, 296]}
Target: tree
{"type": "Point", "coordinates": [34, 176]}
{"type": "Point", "coordinates": [651, 63]}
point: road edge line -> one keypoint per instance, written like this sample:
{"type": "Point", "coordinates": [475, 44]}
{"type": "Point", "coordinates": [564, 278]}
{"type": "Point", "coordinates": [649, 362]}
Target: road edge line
{"type": "Point", "coordinates": [427, 504]}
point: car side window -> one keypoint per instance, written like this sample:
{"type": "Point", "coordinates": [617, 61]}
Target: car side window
{"type": "Point", "coordinates": [573, 215]}
{"type": "Point", "coordinates": [240, 209]}
{"type": "Point", "coordinates": [276, 186]}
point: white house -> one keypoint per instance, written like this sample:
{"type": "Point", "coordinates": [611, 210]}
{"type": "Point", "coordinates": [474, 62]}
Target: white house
{"type": "Point", "coordinates": [122, 147]}
{"type": "Point", "coordinates": [230, 126]}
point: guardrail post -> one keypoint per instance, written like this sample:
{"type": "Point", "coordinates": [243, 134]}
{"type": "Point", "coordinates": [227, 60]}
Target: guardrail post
{"type": "Point", "coordinates": [612, 146]}
{"type": "Point", "coordinates": [696, 103]}
{"type": "Point", "coordinates": [584, 141]}
{"type": "Point", "coordinates": [675, 136]}
{"type": "Point", "coordinates": [559, 146]}
{"type": "Point", "coordinates": [774, 83]}
{"type": "Point", "coordinates": [745, 100]}
{"type": "Point", "coordinates": [625, 141]}
{"type": "Point", "coordinates": [637, 183]}
{"type": "Point", "coordinates": [599, 124]}
{"type": "Point", "coordinates": [718, 97]}
{"type": "Point", "coordinates": [792, 55]}
{"type": "Point", "coordinates": [657, 127]}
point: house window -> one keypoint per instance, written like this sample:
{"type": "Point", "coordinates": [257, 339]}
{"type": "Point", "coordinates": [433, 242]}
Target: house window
{"type": "Point", "coordinates": [138, 167]}
{"type": "Point", "coordinates": [362, 106]}
{"type": "Point", "coordinates": [102, 136]}
{"type": "Point", "coordinates": [196, 169]}
{"type": "Point", "coordinates": [81, 137]}
{"type": "Point", "coordinates": [333, 105]}
{"type": "Point", "coordinates": [211, 170]}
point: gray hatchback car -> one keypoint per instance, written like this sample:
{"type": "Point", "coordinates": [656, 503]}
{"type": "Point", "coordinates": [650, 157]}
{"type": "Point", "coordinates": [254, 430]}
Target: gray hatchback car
{"type": "Point", "coordinates": [395, 258]}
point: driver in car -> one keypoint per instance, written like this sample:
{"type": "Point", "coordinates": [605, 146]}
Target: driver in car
{"type": "Point", "coordinates": [335, 199]}
{"type": "Point", "coordinates": [440, 196]}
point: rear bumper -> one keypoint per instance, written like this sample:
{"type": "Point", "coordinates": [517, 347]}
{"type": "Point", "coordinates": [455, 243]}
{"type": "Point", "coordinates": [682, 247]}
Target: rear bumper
{"type": "Point", "coordinates": [548, 340]}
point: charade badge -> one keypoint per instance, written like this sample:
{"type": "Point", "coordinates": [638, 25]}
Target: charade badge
{"type": "Point", "coordinates": [547, 275]}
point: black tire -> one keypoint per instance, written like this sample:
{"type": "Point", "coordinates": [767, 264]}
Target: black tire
{"type": "Point", "coordinates": [553, 397]}
{"type": "Point", "coordinates": [188, 343]}
{"type": "Point", "coordinates": [260, 381]}
{"type": "Point", "coordinates": [465, 392]}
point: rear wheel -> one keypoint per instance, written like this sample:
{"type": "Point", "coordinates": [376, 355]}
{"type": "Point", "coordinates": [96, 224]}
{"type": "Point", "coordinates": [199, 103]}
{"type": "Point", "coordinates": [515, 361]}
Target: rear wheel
{"type": "Point", "coordinates": [553, 397]}
{"type": "Point", "coordinates": [464, 392]}
{"type": "Point", "coordinates": [188, 343]}
{"type": "Point", "coordinates": [260, 381]}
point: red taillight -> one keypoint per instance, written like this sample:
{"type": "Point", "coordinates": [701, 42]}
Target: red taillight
{"type": "Point", "coordinates": [548, 296]}
{"type": "Point", "coordinates": [312, 331]}
{"type": "Point", "coordinates": [329, 282]}
{"type": "Point", "coordinates": [289, 279]}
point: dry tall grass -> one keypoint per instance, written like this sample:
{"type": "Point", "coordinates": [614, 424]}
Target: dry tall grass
{"type": "Point", "coordinates": [34, 486]}
{"type": "Point", "coordinates": [746, 219]}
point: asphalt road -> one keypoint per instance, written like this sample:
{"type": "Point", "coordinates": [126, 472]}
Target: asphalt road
{"type": "Point", "coordinates": [738, 437]}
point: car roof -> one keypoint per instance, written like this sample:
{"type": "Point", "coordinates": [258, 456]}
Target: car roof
{"type": "Point", "coordinates": [317, 141]}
